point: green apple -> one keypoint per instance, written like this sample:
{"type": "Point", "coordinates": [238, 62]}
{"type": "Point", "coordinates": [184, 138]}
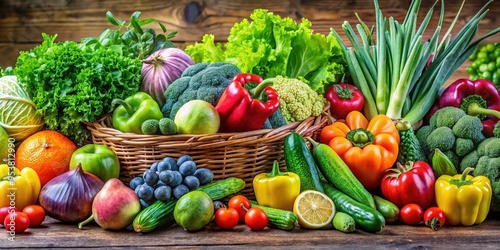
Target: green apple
{"type": "Point", "coordinates": [197, 117]}
{"type": "Point", "coordinates": [97, 159]}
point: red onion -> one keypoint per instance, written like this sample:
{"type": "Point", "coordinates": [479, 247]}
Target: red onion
{"type": "Point", "coordinates": [162, 68]}
{"type": "Point", "coordinates": [68, 197]}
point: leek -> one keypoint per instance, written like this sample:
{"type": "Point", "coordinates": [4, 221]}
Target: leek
{"type": "Point", "coordinates": [393, 71]}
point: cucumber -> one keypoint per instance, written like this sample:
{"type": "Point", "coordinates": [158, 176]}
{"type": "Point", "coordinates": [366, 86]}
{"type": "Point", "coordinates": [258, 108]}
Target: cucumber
{"type": "Point", "coordinates": [278, 218]}
{"type": "Point", "coordinates": [335, 171]}
{"type": "Point", "coordinates": [344, 222]}
{"type": "Point", "coordinates": [162, 213]}
{"type": "Point", "coordinates": [388, 209]}
{"type": "Point", "coordinates": [299, 160]}
{"type": "Point", "coordinates": [366, 218]}
{"type": "Point", "coordinates": [409, 148]}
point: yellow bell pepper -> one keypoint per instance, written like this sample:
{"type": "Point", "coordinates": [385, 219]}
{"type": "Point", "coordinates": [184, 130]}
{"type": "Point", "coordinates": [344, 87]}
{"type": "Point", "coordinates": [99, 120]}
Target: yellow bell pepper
{"type": "Point", "coordinates": [464, 199]}
{"type": "Point", "coordinates": [276, 189]}
{"type": "Point", "coordinates": [18, 188]}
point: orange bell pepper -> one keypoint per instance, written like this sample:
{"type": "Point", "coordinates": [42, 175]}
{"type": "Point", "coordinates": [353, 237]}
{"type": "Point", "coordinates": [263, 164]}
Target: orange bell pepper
{"type": "Point", "coordinates": [367, 147]}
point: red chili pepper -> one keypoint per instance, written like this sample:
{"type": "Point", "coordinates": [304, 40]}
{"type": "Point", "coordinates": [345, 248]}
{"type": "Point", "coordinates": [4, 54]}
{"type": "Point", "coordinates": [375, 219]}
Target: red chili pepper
{"type": "Point", "coordinates": [479, 98]}
{"type": "Point", "coordinates": [240, 109]}
{"type": "Point", "coordinates": [344, 98]}
{"type": "Point", "coordinates": [434, 217]}
{"type": "Point", "coordinates": [411, 183]}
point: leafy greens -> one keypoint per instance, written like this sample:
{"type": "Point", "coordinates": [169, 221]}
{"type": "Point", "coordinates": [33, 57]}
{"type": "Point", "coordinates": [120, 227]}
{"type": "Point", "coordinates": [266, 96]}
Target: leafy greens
{"type": "Point", "coordinates": [269, 46]}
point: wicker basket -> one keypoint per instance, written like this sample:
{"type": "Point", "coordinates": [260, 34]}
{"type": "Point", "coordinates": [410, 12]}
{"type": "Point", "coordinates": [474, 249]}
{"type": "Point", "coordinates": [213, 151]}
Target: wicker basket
{"type": "Point", "coordinates": [242, 155]}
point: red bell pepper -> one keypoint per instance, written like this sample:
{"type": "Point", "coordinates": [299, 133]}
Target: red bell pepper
{"type": "Point", "coordinates": [241, 109]}
{"type": "Point", "coordinates": [411, 183]}
{"type": "Point", "coordinates": [479, 98]}
{"type": "Point", "coordinates": [344, 98]}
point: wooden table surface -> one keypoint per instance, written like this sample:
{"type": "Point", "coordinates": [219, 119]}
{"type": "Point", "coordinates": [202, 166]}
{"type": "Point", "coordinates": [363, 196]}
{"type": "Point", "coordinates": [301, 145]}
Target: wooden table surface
{"type": "Point", "coordinates": [54, 234]}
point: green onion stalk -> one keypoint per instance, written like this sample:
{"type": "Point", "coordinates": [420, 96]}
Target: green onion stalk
{"type": "Point", "coordinates": [400, 74]}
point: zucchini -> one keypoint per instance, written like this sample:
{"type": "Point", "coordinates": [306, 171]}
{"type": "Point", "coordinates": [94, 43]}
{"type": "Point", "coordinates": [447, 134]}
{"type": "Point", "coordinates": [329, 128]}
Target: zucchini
{"type": "Point", "coordinates": [278, 218]}
{"type": "Point", "coordinates": [366, 218]}
{"type": "Point", "coordinates": [299, 160]}
{"type": "Point", "coordinates": [162, 213]}
{"type": "Point", "coordinates": [344, 222]}
{"type": "Point", "coordinates": [409, 148]}
{"type": "Point", "coordinates": [335, 171]}
{"type": "Point", "coordinates": [388, 209]}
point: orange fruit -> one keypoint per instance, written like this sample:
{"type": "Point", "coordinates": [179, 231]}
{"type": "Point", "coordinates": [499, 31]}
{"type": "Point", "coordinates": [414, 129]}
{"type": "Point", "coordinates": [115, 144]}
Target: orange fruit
{"type": "Point", "coordinates": [48, 152]}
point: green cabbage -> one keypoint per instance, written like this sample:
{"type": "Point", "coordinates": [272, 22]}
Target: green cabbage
{"type": "Point", "coordinates": [17, 111]}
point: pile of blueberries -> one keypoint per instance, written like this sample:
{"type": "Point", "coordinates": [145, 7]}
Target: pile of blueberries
{"type": "Point", "coordinates": [168, 178]}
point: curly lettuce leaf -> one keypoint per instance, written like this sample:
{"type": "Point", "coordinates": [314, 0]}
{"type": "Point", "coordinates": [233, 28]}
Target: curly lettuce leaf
{"type": "Point", "coordinates": [70, 86]}
{"type": "Point", "coordinates": [269, 45]}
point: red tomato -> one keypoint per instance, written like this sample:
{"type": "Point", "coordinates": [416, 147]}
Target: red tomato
{"type": "Point", "coordinates": [17, 222]}
{"type": "Point", "coordinates": [226, 218]}
{"type": "Point", "coordinates": [236, 202]}
{"type": "Point", "coordinates": [434, 217]}
{"type": "Point", "coordinates": [411, 214]}
{"type": "Point", "coordinates": [4, 211]}
{"type": "Point", "coordinates": [344, 98]}
{"type": "Point", "coordinates": [36, 214]}
{"type": "Point", "coordinates": [256, 219]}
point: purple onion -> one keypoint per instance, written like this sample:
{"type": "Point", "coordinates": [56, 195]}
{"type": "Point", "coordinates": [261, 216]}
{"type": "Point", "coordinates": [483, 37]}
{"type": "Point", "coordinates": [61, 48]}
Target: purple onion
{"type": "Point", "coordinates": [68, 197]}
{"type": "Point", "coordinates": [162, 68]}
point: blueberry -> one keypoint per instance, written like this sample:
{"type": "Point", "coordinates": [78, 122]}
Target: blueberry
{"type": "Point", "coordinates": [183, 158]}
{"type": "Point", "coordinates": [205, 175]}
{"type": "Point", "coordinates": [145, 192]}
{"type": "Point", "coordinates": [163, 165]}
{"type": "Point", "coordinates": [166, 176]}
{"type": "Point", "coordinates": [176, 180]}
{"type": "Point", "coordinates": [163, 193]}
{"type": "Point", "coordinates": [159, 184]}
{"type": "Point", "coordinates": [217, 205]}
{"type": "Point", "coordinates": [180, 190]}
{"type": "Point", "coordinates": [136, 181]}
{"type": "Point", "coordinates": [144, 204]}
{"type": "Point", "coordinates": [191, 182]}
{"type": "Point", "coordinates": [150, 177]}
{"type": "Point", "coordinates": [187, 168]}
{"type": "Point", "coordinates": [172, 163]}
{"type": "Point", "coordinates": [154, 167]}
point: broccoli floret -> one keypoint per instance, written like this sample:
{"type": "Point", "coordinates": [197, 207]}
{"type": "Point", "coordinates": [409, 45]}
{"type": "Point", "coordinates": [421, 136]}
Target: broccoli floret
{"type": "Point", "coordinates": [481, 148]}
{"type": "Point", "coordinates": [297, 100]}
{"type": "Point", "coordinates": [421, 135]}
{"type": "Point", "coordinates": [496, 130]}
{"type": "Point", "coordinates": [150, 127]}
{"type": "Point", "coordinates": [489, 165]}
{"type": "Point", "coordinates": [468, 127]}
{"type": "Point", "coordinates": [469, 161]}
{"type": "Point", "coordinates": [448, 116]}
{"type": "Point", "coordinates": [463, 146]}
{"type": "Point", "coordinates": [492, 149]}
{"type": "Point", "coordinates": [202, 81]}
{"type": "Point", "coordinates": [167, 126]}
{"type": "Point", "coordinates": [442, 138]}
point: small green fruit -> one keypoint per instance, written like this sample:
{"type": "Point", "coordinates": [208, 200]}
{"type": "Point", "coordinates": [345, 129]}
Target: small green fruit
{"type": "Point", "coordinates": [197, 117]}
{"type": "Point", "coordinates": [194, 210]}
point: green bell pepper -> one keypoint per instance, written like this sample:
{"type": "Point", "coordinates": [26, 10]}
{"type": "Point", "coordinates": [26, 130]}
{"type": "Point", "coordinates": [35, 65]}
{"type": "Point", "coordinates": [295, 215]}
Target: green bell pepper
{"type": "Point", "coordinates": [133, 111]}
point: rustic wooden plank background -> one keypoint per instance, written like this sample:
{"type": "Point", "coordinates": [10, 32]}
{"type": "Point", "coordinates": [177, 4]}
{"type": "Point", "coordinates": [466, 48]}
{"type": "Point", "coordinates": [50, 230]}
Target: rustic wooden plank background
{"type": "Point", "coordinates": [22, 22]}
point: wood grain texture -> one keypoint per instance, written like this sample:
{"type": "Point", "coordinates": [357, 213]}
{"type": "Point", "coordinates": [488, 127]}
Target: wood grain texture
{"type": "Point", "coordinates": [22, 22]}
{"type": "Point", "coordinates": [56, 235]}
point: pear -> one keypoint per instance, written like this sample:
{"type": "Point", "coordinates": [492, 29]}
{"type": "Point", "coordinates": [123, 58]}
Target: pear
{"type": "Point", "coordinates": [114, 207]}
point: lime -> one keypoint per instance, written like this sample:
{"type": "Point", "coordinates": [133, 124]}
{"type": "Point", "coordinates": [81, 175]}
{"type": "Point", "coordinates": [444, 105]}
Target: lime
{"type": "Point", "coordinates": [4, 145]}
{"type": "Point", "coordinates": [194, 210]}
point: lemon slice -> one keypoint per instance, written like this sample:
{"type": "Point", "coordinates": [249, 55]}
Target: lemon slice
{"type": "Point", "coordinates": [314, 209]}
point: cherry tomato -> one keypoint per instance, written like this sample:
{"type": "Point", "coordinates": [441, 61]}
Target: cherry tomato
{"type": "Point", "coordinates": [236, 202]}
{"type": "Point", "coordinates": [4, 211]}
{"type": "Point", "coordinates": [411, 214]}
{"type": "Point", "coordinates": [19, 224]}
{"type": "Point", "coordinates": [36, 214]}
{"type": "Point", "coordinates": [256, 219]}
{"type": "Point", "coordinates": [434, 217]}
{"type": "Point", "coordinates": [226, 218]}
